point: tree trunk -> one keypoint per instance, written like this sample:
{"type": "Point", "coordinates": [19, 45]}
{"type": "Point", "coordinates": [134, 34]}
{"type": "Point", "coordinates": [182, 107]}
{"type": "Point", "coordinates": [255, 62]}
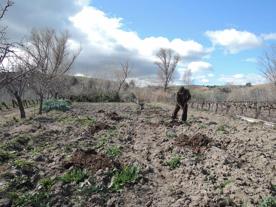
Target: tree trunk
{"type": "Point", "coordinates": [40, 104]}
{"type": "Point", "coordinates": [165, 86]}
{"type": "Point", "coordinates": [21, 107]}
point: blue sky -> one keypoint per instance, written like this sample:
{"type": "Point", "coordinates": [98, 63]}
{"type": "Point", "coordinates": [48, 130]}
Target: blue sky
{"type": "Point", "coordinates": [191, 19]}
{"type": "Point", "coordinates": [220, 41]}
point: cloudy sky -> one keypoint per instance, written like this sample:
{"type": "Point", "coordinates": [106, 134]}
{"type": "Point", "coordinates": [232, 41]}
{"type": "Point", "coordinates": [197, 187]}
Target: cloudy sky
{"type": "Point", "coordinates": [220, 41]}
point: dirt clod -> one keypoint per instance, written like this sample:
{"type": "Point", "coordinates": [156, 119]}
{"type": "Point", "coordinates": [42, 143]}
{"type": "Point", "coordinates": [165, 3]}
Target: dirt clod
{"type": "Point", "coordinates": [114, 116]}
{"type": "Point", "coordinates": [196, 142]}
{"type": "Point", "coordinates": [90, 159]}
{"type": "Point", "coordinates": [98, 127]}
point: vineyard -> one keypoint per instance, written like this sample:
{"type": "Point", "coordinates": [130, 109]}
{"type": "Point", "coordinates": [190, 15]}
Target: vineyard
{"type": "Point", "coordinates": [7, 106]}
{"type": "Point", "coordinates": [258, 110]}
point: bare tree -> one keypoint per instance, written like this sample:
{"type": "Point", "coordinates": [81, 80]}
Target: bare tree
{"type": "Point", "coordinates": [167, 63]}
{"type": "Point", "coordinates": [17, 87]}
{"type": "Point", "coordinates": [5, 45]}
{"type": "Point", "coordinates": [121, 75]}
{"type": "Point", "coordinates": [187, 77]}
{"type": "Point", "coordinates": [49, 53]}
{"type": "Point", "coordinates": [268, 64]}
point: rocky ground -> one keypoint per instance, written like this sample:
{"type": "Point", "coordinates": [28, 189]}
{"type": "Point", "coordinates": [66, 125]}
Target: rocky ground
{"type": "Point", "coordinates": [117, 155]}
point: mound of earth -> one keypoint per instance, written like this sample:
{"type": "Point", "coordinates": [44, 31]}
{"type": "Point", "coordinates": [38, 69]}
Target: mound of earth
{"type": "Point", "coordinates": [99, 126]}
{"type": "Point", "coordinates": [89, 159]}
{"type": "Point", "coordinates": [114, 116]}
{"type": "Point", "coordinates": [198, 141]}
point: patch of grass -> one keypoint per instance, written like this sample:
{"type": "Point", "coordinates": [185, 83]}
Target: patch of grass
{"type": "Point", "coordinates": [37, 199]}
{"type": "Point", "coordinates": [103, 141]}
{"type": "Point", "coordinates": [174, 162]}
{"type": "Point", "coordinates": [223, 128]}
{"type": "Point", "coordinates": [5, 156]}
{"type": "Point", "coordinates": [17, 144]}
{"type": "Point", "coordinates": [268, 202]}
{"type": "Point", "coordinates": [47, 183]}
{"type": "Point", "coordinates": [113, 151]}
{"type": "Point", "coordinates": [36, 151]}
{"type": "Point", "coordinates": [104, 138]}
{"type": "Point", "coordinates": [202, 126]}
{"type": "Point", "coordinates": [170, 134]}
{"type": "Point", "coordinates": [225, 183]}
{"type": "Point", "coordinates": [83, 121]}
{"type": "Point", "coordinates": [74, 175]}
{"type": "Point", "coordinates": [23, 164]}
{"type": "Point", "coordinates": [129, 174]}
{"type": "Point", "coordinates": [273, 188]}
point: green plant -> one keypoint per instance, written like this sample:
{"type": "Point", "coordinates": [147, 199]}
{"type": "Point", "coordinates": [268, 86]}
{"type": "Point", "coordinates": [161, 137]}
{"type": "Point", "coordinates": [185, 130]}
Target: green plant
{"type": "Point", "coordinates": [23, 164]}
{"type": "Point", "coordinates": [4, 156]}
{"type": "Point", "coordinates": [56, 104]}
{"type": "Point", "coordinates": [74, 175]}
{"type": "Point", "coordinates": [113, 151]}
{"type": "Point", "coordinates": [103, 140]}
{"type": "Point", "coordinates": [174, 162]}
{"type": "Point", "coordinates": [82, 121]}
{"type": "Point", "coordinates": [17, 144]}
{"type": "Point", "coordinates": [170, 134]}
{"type": "Point", "coordinates": [223, 128]}
{"type": "Point", "coordinates": [129, 174]}
{"type": "Point", "coordinates": [88, 190]}
{"type": "Point", "coordinates": [225, 183]}
{"type": "Point", "coordinates": [268, 202]}
{"type": "Point", "coordinates": [202, 126]}
{"type": "Point", "coordinates": [47, 183]}
{"type": "Point", "coordinates": [38, 199]}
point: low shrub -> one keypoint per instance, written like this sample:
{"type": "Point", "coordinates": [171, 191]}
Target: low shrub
{"type": "Point", "coordinates": [56, 104]}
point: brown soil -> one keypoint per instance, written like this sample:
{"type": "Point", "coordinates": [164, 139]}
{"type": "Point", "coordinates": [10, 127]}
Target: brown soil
{"type": "Point", "coordinates": [224, 161]}
{"type": "Point", "coordinates": [198, 142]}
{"type": "Point", "coordinates": [89, 159]}
{"type": "Point", "coordinates": [99, 126]}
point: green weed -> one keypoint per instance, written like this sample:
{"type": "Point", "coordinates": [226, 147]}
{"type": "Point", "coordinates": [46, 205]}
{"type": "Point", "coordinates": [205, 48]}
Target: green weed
{"type": "Point", "coordinates": [74, 175]}
{"type": "Point", "coordinates": [5, 156]}
{"type": "Point", "coordinates": [83, 121]}
{"type": "Point", "coordinates": [171, 134]}
{"type": "Point", "coordinates": [113, 151]}
{"type": "Point", "coordinates": [129, 174]}
{"type": "Point", "coordinates": [174, 162]}
{"type": "Point", "coordinates": [38, 199]}
{"type": "Point", "coordinates": [268, 202]}
{"type": "Point", "coordinates": [47, 183]}
{"type": "Point", "coordinates": [223, 128]}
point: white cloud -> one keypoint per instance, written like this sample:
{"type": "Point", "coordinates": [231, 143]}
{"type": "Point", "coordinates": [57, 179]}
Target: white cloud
{"type": "Point", "coordinates": [107, 34]}
{"type": "Point", "coordinates": [199, 66]}
{"type": "Point", "coordinates": [251, 60]}
{"type": "Point", "coordinates": [242, 79]}
{"type": "Point", "coordinates": [270, 36]}
{"type": "Point", "coordinates": [233, 40]}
